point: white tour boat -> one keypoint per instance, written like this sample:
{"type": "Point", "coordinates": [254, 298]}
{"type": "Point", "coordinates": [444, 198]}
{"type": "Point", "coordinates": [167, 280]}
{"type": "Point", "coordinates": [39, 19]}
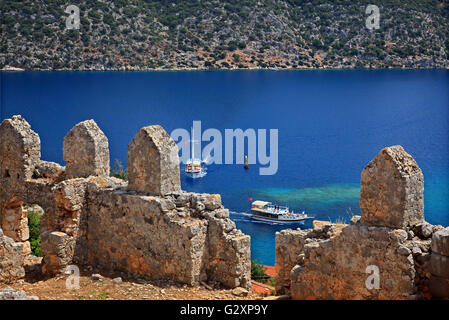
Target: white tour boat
{"type": "Point", "coordinates": [266, 211]}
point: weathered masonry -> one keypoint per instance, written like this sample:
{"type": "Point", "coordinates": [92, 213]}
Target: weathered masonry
{"type": "Point", "coordinates": [390, 241]}
{"type": "Point", "coordinates": [147, 227]}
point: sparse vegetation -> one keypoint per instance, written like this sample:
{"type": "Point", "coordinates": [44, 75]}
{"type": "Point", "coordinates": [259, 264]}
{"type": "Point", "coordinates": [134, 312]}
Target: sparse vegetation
{"type": "Point", "coordinates": [271, 281]}
{"type": "Point", "coordinates": [34, 225]}
{"type": "Point", "coordinates": [118, 171]}
{"type": "Point", "coordinates": [103, 295]}
{"type": "Point", "coordinates": [338, 220]}
{"type": "Point", "coordinates": [258, 273]}
{"type": "Point", "coordinates": [149, 34]}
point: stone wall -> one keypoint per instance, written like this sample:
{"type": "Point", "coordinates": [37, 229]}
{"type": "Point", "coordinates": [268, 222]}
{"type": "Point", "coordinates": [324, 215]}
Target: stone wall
{"type": "Point", "coordinates": [390, 242]}
{"type": "Point", "coordinates": [148, 228]}
{"type": "Point", "coordinates": [175, 237]}
{"type": "Point", "coordinates": [289, 250]}
{"type": "Point", "coordinates": [11, 259]}
{"type": "Point", "coordinates": [439, 264]}
{"type": "Point", "coordinates": [391, 192]}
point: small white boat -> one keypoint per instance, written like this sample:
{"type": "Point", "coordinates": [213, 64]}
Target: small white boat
{"type": "Point", "coordinates": [266, 211]}
{"type": "Point", "coordinates": [194, 166]}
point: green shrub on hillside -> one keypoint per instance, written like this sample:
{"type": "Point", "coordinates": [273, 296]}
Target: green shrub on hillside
{"type": "Point", "coordinates": [258, 274]}
{"type": "Point", "coordinates": [257, 270]}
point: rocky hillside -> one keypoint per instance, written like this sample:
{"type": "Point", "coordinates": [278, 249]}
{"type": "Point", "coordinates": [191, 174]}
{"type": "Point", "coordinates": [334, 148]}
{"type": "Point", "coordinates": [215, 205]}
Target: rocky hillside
{"type": "Point", "coordinates": [212, 34]}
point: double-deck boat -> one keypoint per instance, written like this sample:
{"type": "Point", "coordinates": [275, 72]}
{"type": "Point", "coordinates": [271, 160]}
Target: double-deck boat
{"type": "Point", "coordinates": [266, 211]}
{"type": "Point", "coordinates": [194, 167]}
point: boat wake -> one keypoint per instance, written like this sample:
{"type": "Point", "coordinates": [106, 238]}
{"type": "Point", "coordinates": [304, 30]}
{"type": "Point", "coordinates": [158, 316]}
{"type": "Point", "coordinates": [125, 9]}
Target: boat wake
{"type": "Point", "coordinates": [197, 175]}
{"type": "Point", "coordinates": [207, 161]}
{"type": "Point", "coordinates": [240, 213]}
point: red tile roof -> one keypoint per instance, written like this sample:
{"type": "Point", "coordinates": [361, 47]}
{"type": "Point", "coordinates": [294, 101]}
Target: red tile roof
{"type": "Point", "coordinates": [261, 287]}
{"type": "Point", "coordinates": [270, 271]}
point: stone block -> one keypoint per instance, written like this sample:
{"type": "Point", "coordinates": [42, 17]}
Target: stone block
{"type": "Point", "coordinates": [392, 187]}
{"type": "Point", "coordinates": [86, 151]}
{"type": "Point", "coordinates": [14, 220]}
{"type": "Point", "coordinates": [11, 294]}
{"type": "Point", "coordinates": [439, 265]}
{"type": "Point", "coordinates": [289, 245]}
{"type": "Point", "coordinates": [20, 149]}
{"type": "Point", "coordinates": [11, 259]}
{"type": "Point", "coordinates": [153, 162]}
{"type": "Point", "coordinates": [58, 251]}
{"type": "Point", "coordinates": [48, 170]}
{"type": "Point", "coordinates": [440, 242]}
{"type": "Point", "coordinates": [26, 248]}
{"type": "Point", "coordinates": [439, 287]}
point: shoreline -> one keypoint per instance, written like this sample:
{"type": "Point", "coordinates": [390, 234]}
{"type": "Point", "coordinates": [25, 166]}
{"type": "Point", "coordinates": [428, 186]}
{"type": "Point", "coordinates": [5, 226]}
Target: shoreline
{"type": "Point", "coordinates": [17, 69]}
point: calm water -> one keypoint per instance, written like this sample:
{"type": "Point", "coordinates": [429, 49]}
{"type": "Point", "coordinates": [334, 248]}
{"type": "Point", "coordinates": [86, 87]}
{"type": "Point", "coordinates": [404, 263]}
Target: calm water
{"type": "Point", "coordinates": [331, 124]}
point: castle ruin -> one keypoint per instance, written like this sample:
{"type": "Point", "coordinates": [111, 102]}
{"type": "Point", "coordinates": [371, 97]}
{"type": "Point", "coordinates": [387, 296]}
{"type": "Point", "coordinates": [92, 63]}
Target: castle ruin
{"type": "Point", "coordinates": [389, 252]}
{"type": "Point", "coordinates": [146, 227]}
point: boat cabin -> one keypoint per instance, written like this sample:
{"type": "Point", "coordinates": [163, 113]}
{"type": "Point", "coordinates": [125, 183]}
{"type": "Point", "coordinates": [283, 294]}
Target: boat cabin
{"type": "Point", "coordinates": [193, 166]}
{"type": "Point", "coordinates": [266, 211]}
{"type": "Point", "coordinates": [267, 207]}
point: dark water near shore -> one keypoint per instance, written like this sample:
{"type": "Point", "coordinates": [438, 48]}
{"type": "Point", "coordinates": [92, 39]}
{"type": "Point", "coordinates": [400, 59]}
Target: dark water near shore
{"type": "Point", "coordinates": [331, 124]}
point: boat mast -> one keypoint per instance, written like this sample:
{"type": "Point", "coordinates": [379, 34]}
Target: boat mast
{"type": "Point", "coordinates": [193, 146]}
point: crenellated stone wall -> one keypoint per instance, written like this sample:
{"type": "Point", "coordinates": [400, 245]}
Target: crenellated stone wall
{"type": "Point", "coordinates": [148, 227]}
{"type": "Point", "coordinates": [390, 242]}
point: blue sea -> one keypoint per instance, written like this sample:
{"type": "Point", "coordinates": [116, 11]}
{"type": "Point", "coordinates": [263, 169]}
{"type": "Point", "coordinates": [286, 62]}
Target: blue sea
{"type": "Point", "coordinates": [331, 124]}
